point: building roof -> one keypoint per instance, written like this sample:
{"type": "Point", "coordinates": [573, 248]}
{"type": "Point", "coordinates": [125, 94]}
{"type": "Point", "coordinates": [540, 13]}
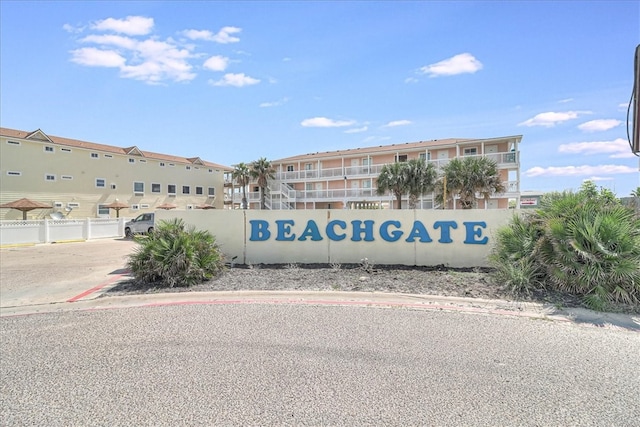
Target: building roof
{"type": "Point", "coordinates": [125, 151]}
{"type": "Point", "coordinates": [395, 148]}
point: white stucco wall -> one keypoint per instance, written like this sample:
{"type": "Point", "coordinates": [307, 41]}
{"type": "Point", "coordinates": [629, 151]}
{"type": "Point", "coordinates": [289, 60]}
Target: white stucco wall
{"type": "Point", "coordinates": [451, 238]}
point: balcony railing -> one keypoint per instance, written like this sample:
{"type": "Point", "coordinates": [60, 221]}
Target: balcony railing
{"type": "Point", "coordinates": [504, 160]}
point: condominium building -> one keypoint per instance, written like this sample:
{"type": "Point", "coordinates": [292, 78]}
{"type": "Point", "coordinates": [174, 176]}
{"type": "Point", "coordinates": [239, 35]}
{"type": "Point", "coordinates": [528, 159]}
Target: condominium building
{"type": "Point", "coordinates": [79, 178]}
{"type": "Point", "coordinates": [347, 179]}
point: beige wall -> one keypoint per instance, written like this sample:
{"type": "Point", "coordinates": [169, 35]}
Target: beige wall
{"type": "Point", "coordinates": [76, 172]}
{"type": "Point", "coordinates": [234, 229]}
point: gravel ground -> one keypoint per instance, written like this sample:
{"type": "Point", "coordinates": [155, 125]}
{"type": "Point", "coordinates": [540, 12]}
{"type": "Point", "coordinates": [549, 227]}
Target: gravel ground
{"type": "Point", "coordinates": [476, 283]}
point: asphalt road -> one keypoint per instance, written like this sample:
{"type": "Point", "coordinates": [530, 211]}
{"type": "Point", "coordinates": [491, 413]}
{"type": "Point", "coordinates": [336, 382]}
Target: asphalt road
{"type": "Point", "coordinates": [270, 364]}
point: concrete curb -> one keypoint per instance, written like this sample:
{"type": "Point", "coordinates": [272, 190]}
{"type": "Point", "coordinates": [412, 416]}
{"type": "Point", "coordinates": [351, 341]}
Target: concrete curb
{"type": "Point", "coordinates": [331, 298]}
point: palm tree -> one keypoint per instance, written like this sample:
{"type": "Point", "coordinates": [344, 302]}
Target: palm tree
{"type": "Point", "coordinates": [393, 178]}
{"type": "Point", "coordinates": [242, 175]}
{"type": "Point", "coordinates": [262, 171]}
{"type": "Point", "coordinates": [420, 178]}
{"type": "Point", "coordinates": [467, 176]}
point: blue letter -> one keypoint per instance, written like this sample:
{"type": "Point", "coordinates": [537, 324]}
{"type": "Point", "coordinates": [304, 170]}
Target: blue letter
{"type": "Point", "coordinates": [419, 230]}
{"type": "Point", "coordinates": [395, 234]}
{"type": "Point", "coordinates": [331, 234]}
{"type": "Point", "coordinates": [311, 230]}
{"type": "Point", "coordinates": [259, 230]}
{"type": "Point", "coordinates": [445, 227]}
{"type": "Point", "coordinates": [473, 231]}
{"type": "Point", "coordinates": [358, 230]}
{"type": "Point", "coordinates": [284, 229]}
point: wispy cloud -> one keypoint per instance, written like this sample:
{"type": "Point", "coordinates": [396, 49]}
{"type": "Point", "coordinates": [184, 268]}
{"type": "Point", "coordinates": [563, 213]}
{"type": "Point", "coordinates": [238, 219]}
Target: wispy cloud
{"type": "Point", "coordinates": [396, 123]}
{"type": "Point", "coordinates": [130, 45]}
{"type": "Point", "coordinates": [323, 122]}
{"type": "Point", "coordinates": [237, 80]}
{"type": "Point", "coordinates": [224, 36]}
{"type": "Point", "coordinates": [131, 25]}
{"type": "Point", "coordinates": [275, 103]}
{"type": "Point", "coordinates": [599, 125]}
{"type": "Point", "coordinates": [216, 63]}
{"type": "Point", "coordinates": [93, 57]}
{"type": "Point", "coordinates": [584, 170]}
{"type": "Point", "coordinates": [464, 63]}
{"type": "Point", "coordinates": [357, 130]}
{"type": "Point", "coordinates": [616, 149]}
{"type": "Point", "coordinates": [564, 101]}
{"type": "Point", "coordinates": [598, 178]}
{"type": "Point", "coordinates": [550, 119]}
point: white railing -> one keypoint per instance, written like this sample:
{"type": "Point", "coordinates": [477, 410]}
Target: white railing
{"type": "Point", "coordinates": [14, 232]}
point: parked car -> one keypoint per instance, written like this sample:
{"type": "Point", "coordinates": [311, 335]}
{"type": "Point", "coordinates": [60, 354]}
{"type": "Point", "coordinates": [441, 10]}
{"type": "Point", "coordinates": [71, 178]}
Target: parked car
{"type": "Point", "coordinates": [143, 223]}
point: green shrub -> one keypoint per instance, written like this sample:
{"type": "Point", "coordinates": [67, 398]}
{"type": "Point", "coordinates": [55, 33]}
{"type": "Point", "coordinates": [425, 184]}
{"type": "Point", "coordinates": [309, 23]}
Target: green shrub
{"type": "Point", "coordinates": [174, 255]}
{"type": "Point", "coordinates": [583, 243]}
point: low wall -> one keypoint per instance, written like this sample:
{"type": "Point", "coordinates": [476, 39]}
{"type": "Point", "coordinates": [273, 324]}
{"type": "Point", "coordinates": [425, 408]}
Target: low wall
{"type": "Point", "coordinates": [14, 232]}
{"type": "Point", "coordinates": [407, 237]}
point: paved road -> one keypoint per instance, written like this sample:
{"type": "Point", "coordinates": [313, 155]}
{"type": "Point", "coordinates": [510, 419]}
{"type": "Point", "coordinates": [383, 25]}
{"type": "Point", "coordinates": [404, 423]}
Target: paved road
{"type": "Point", "coordinates": [53, 273]}
{"type": "Point", "coordinates": [270, 364]}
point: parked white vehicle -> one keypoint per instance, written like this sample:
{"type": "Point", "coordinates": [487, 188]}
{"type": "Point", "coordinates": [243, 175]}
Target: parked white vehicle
{"type": "Point", "coordinates": [143, 223]}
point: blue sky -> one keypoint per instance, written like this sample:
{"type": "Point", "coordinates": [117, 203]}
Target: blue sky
{"type": "Point", "coordinates": [235, 81]}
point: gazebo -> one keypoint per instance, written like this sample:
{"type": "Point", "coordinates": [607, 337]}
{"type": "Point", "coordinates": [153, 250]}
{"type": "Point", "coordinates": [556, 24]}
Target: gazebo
{"type": "Point", "coordinates": [25, 205]}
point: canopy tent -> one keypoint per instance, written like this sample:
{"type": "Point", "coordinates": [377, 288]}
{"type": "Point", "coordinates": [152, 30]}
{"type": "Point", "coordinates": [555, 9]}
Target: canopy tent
{"type": "Point", "coordinates": [25, 205]}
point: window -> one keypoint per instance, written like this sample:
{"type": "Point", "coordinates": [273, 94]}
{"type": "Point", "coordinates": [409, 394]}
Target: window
{"type": "Point", "coordinates": [308, 186]}
{"type": "Point", "coordinates": [66, 177]}
{"type": "Point", "coordinates": [172, 165]}
{"type": "Point", "coordinates": [101, 183]}
{"type": "Point", "coordinates": [171, 189]}
{"type": "Point", "coordinates": [155, 187]}
{"type": "Point", "coordinates": [138, 187]}
{"type": "Point", "coordinates": [13, 142]}
{"type": "Point", "coordinates": [366, 161]}
{"type": "Point", "coordinates": [470, 151]}
{"type": "Point", "coordinates": [65, 150]}
{"type": "Point", "coordinates": [14, 173]}
{"type": "Point", "coordinates": [161, 164]}
{"type": "Point", "coordinates": [49, 177]}
{"type": "Point", "coordinates": [423, 156]}
{"type": "Point", "coordinates": [199, 191]}
{"type": "Point", "coordinates": [211, 191]}
{"type": "Point", "coordinates": [144, 206]}
{"type": "Point", "coordinates": [135, 207]}
{"type": "Point", "coordinates": [58, 205]}
{"type": "Point", "coordinates": [289, 168]}
{"type": "Point", "coordinates": [142, 161]}
{"type": "Point", "coordinates": [103, 211]}
{"type": "Point", "coordinates": [73, 205]}
{"type": "Point", "coordinates": [401, 158]}
{"type": "Point", "coordinates": [132, 161]}
{"type": "Point", "coordinates": [113, 186]}
{"type": "Point", "coordinates": [48, 149]}
{"type": "Point", "coordinates": [186, 189]}
{"type": "Point", "coordinates": [366, 183]}
{"type": "Point", "coordinates": [94, 155]}
{"type": "Point", "coordinates": [189, 207]}
{"type": "Point", "coordinates": [188, 168]}
{"type": "Point", "coordinates": [308, 166]}
{"type": "Point", "coordinates": [108, 156]}
{"type": "Point", "coordinates": [210, 170]}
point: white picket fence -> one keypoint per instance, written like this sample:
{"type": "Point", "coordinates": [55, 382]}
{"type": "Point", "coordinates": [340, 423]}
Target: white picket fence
{"type": "Point", "coordinates": [13, 232]}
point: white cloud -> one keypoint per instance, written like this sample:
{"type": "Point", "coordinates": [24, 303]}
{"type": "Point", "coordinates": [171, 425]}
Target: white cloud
{"type": "Point", "coordinates": [599, 125]}
{"type": "Point", "coordinates": [458, 64]}
{"type": "Point", "coordinates": [111, 39]}
{"type": "Point", "coordinates": [224, 35]}
{"type": "Point", "coordinates": [274, 103]}
{"type": "Point", "coordinates": [131, 25]}
{"type": "Point", "coordinates": [357, 130]}
{"type": "Point", "coordinates": [323, 122]}
{"type": "Point", "coordinates": [564, 101]}
{"type": "Point", "coordinates": [411, 80]}
{"type": "Point", "coordinates": [93, 57]}
{"type": "Point", "coordinates": [623, 107]}
{"type": "Point", "coordinates": [396, 123]}
{"type": "Point", "coordinates": [618, 148]}
{"type": "Point", "coordinates": [550, 119]}
{"type": "Point", "coordinates": [216, 63]}
{"type": "Point", "coordinates": [237, 80]}
{"type": "Point", "coordinates": [584, 170]}
{"type": "Point", "coordinates": [598, 178]}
